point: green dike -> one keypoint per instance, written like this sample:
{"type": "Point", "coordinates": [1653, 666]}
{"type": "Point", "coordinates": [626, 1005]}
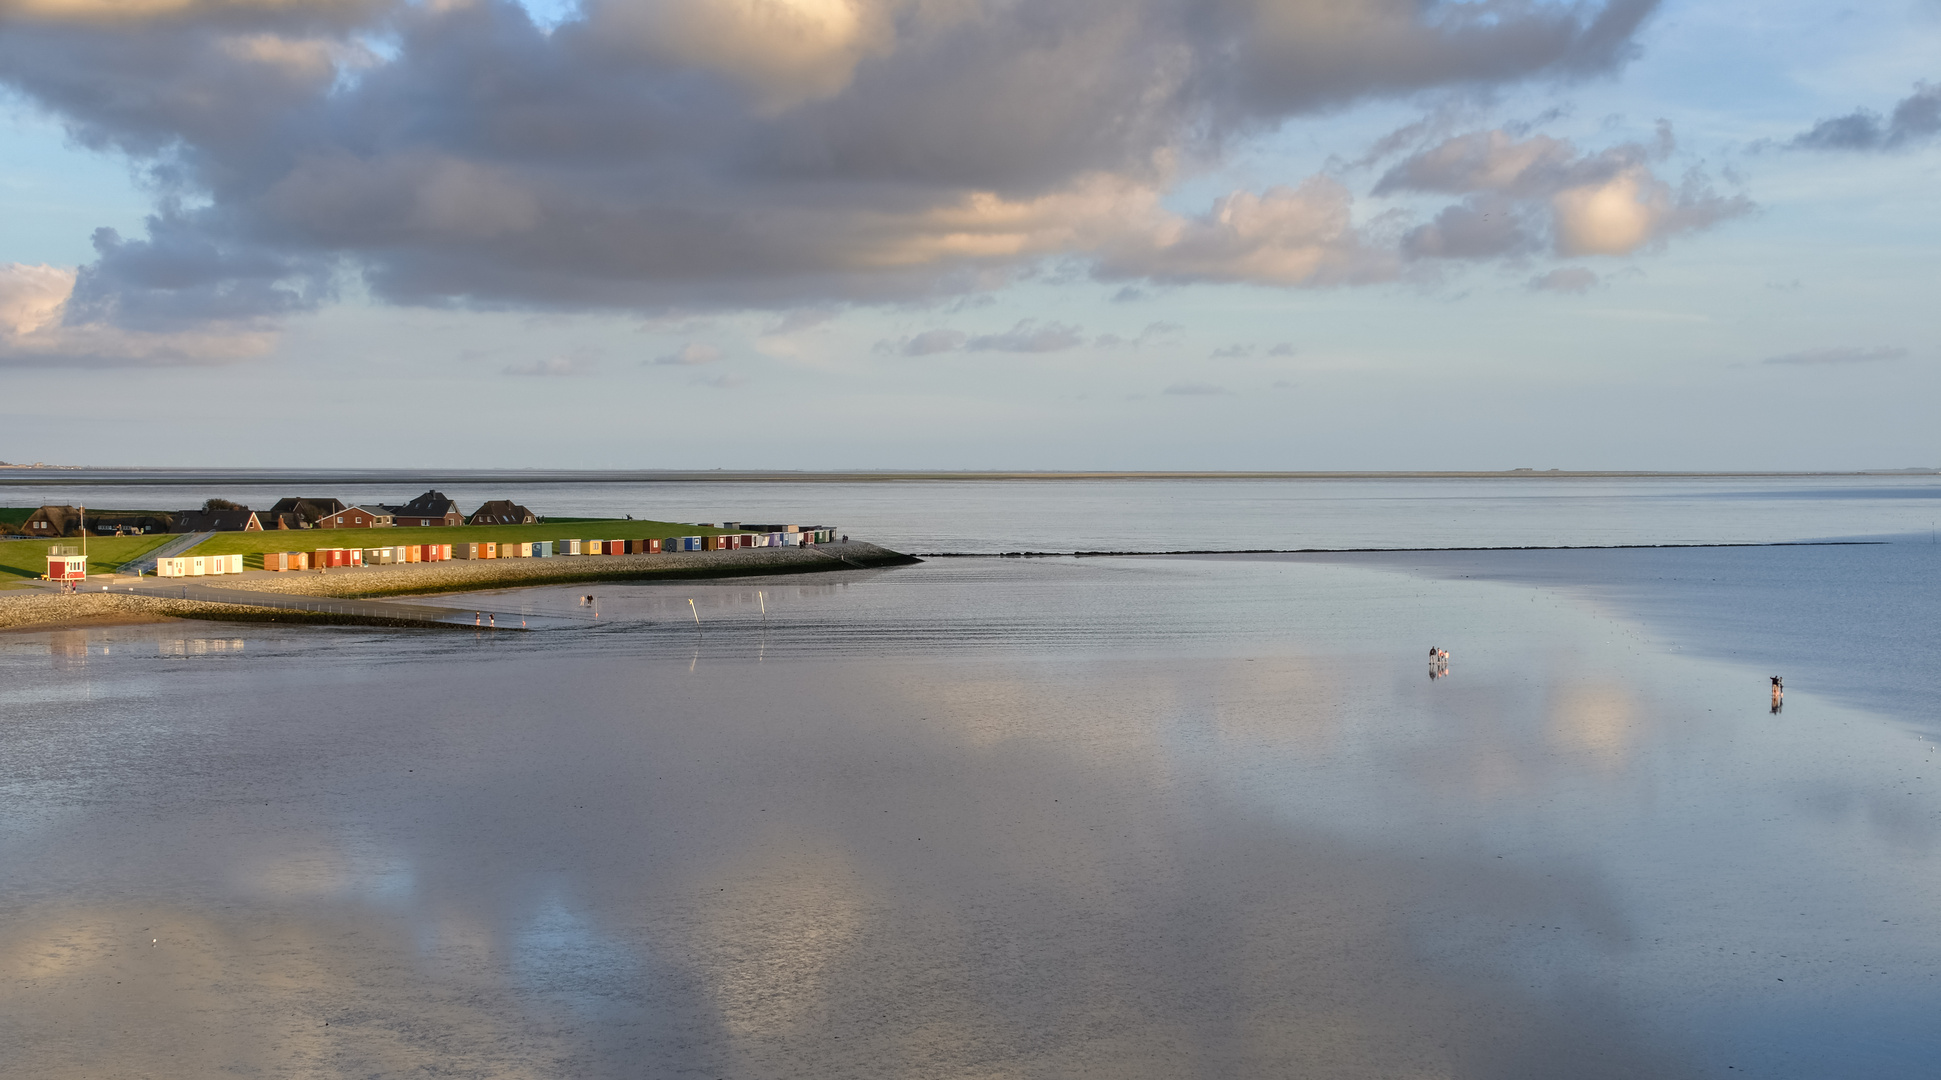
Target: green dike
{"type": "Point", "coordinates": [252, 545]}
{"type": "Point", "coordinates": [22, 560]}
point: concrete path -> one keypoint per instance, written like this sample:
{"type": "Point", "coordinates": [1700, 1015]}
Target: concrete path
{"type": "Point", "coordinates": [146, 564]}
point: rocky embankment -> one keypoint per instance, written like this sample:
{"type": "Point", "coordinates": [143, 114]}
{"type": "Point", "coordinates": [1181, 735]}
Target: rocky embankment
{"type": "Point", "coordinates": [52, 610]}
{"type": "Point", "coordinates": [37, 609]}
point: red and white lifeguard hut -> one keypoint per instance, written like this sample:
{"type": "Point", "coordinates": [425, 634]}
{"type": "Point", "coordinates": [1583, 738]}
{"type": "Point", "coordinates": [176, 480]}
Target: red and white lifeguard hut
{"type": "Point", "coordinates": [66, 563]}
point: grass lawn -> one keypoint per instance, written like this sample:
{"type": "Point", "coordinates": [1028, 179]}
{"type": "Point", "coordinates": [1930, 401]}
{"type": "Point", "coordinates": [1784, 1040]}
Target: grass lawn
{"type": "Point", "coordinates": [256, 543]}
{"type": "Point", "coordinates": [24, 560]}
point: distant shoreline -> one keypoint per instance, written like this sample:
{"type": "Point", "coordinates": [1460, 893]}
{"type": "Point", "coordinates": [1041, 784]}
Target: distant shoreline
{"type": "Point", "coordinates": [140, 477]}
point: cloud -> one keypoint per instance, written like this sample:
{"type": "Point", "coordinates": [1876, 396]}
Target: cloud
{"type": "Point", "coordinates": [551, 367]}
{"type": "Point", "coordinates": [1290, 236]}
{"type": "Point", "coordinates": [801, 319]}
{"type": "Point", "coordinates": [1232, 352]}
{"type": "Point", "coordinates": [655, 155]}
{"type": "Point", "coordinates": [927, 343]}
{"type": "Point", "coordinates": [689, 355]}
{"type": "Point", "coordinates": [1283, 349]}
{"type": "Point", "coordinates": [1840, 354]}
{"type": "Point", "coordinates": [1028, 336]}
{"type": "Point", "coordinates": [1565, 279]}
{"type": "Point", "coordinates": [41, 324]}
{"type": "Point", "coordinates": [1150, 333]}
{"type": "Point", "coordinates": [1194, 389]}
{"type": "Point", "coordinates": [1915, 119]}
{"type": "Point", "coordinates": [1527, 194]}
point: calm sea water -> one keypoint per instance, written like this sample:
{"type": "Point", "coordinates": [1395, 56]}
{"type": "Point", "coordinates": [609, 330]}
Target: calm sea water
{"type": "Point", "coordinates": [1159, 515]}
{"type": "Point", "coordinates": [1127, 817]}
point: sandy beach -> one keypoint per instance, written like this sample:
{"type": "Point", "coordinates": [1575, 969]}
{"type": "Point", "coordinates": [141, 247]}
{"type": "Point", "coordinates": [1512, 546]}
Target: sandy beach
{"type": "Point", "coordinates": [45, 610]}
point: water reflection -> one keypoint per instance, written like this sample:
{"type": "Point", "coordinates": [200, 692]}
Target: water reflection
{"type": "Point", "coordinates": [1243, 838]}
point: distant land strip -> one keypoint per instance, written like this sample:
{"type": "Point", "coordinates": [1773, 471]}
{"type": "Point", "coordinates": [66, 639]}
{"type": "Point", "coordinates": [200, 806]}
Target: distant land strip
{"type": "Point", "coordinates": [74, 476]}
{"type": "Point", "coordinates": [1380, 551]}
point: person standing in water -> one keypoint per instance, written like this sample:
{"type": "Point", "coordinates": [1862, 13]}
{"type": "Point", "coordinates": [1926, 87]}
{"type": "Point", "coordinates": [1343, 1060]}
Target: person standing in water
{"type": "Point", "coordinates": [1779, 693]}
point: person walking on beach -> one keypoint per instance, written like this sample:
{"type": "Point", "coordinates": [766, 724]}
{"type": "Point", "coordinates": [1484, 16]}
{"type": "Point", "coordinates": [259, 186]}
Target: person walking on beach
{"type": "Point", "coordinates": [1779, 693]}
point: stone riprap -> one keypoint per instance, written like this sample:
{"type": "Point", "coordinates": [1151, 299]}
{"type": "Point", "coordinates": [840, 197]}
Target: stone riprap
{"type": "Point", "coordinates": [39, 609]}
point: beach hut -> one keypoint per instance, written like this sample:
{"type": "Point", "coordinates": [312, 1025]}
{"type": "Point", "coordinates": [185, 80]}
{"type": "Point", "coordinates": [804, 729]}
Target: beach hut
{"type": "Point", "coordinates": [66, 563]}
{"type": "Point", "coordinates": [176, 567]}
{"type": "Point", "coordinates": [542, 549]}
{"type": "Point", "coordinates": [566, 547]}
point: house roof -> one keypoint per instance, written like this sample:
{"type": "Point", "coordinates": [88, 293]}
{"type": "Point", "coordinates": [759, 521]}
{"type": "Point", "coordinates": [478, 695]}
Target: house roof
{"type": "Point", "coordinates": [430, 504]}
{"type": "Point", "coordinates": [501, 511]}
{"type": "Point", "coordinates": [311, 509]}
{"type": "Point", "coordinates": [194, 521]}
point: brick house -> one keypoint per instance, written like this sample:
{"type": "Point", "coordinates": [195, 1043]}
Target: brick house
{"type": "Point", "coordinates": [431, 508]}
{"type": "Point", "coordinates": [309, 511]}
{"type": "Point", "coordinates": [502, 512]}
{"type": "Point", "coordinates": [358, 517]}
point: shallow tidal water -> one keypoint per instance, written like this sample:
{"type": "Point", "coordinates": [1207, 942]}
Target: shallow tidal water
{"type": "Point", "coordinates": [1153, 817]}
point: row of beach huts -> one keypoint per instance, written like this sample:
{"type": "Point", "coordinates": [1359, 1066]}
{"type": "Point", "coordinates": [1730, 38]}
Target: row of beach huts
{"type": "Point", "coordinates": [327, 558]}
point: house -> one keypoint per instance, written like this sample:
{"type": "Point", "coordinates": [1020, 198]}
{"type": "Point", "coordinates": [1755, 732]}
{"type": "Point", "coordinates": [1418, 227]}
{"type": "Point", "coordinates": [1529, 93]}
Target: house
{"type": "Point", "coordinates": [129, 522]}
{"type": "Point", "coordinates": [431, 508]}
{"type": "Point", "coordinates": [358, 517]}
{"type": "Point", "coordinates": [240, 519]}
{"type": "Point", "coordinates": [282, 521]}
{"type": "Point", "coordinates": [501, 512]}
{"type": "Point", "coordinates": [309, 510]}
{"type": "Point", "coordinates": [53, 521]}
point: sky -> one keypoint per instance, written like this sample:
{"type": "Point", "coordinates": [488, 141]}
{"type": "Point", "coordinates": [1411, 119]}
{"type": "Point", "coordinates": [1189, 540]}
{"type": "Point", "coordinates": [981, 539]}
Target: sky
{"type": "Point", "coordinates": [970, 234]}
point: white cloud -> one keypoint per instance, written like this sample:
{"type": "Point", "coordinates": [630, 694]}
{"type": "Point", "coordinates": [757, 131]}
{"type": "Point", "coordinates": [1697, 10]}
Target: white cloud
{"type": "Point", "coordinates": [35, 330]}
{"type": "Point", "coordinates": [1524, 194]}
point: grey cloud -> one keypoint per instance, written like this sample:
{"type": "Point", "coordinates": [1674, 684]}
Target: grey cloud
{"type": "Point", "coordinates": [1283, 349]}
{"type": "Point", "coordinates": [551, 367]}
{"type": "Point", "coordinates": [1916, 118]}
{"type": "Point", "coordinates": [1028, 336]}
{"type": "Point", "coordinates": [928, 343]}
{"type": "Point", "coordinates": [1150, 333]}
{"type": "Point", "coordinates": [1232, 352]}
{"type": "Point", "coordinates": [691, 354]}
{"type": "Point", "coordinates": [1565, 279]}
{"type": "Point", "coordinates": [1839, 355]}
{"type": "Point", "coordinates": [1194, 389]}
{"type": "Point", "coordinates": [801, 319]}
{"type": "Point", "coordinates": [619, 162]}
